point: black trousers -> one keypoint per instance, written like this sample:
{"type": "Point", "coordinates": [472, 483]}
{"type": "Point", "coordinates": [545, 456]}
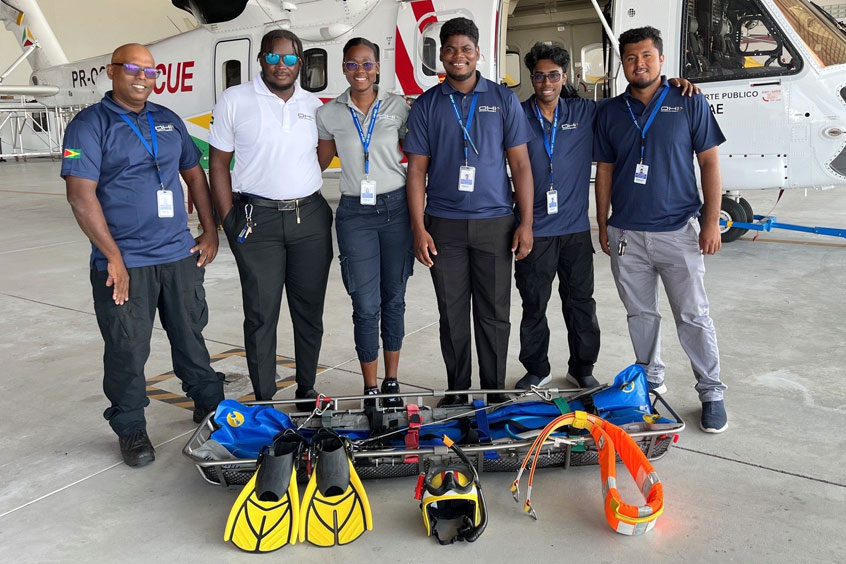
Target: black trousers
{"type": "Point", "coordinates": [176, 290]}
{"type": "Point", "coordinates": [473, 264]}
{"type": "Point", "coordinates": [571, 257]}
{"type": "Point", "coordinates": [282, 252]}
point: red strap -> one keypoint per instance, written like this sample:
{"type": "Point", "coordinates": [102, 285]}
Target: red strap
{"type": "Point", "coordinates": [412, 436]}
{"type": "Point", "coordinates": [418, 491]}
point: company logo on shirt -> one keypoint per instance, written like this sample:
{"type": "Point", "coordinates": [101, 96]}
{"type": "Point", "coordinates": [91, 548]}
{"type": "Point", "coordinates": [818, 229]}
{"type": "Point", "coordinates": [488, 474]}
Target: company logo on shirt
{"type": "Point", "coordinates": [569, 126]}
{"type": "Point", "coordinates": [488, 108]}
{"type": "Point", "coordinates": [164, 127]}
{"type": "Point", "coordinates": [671, 109]}
{"type": "Point", "coordinates": [71, 154]}
{"type": "Point", "coordinates": [305, 116]}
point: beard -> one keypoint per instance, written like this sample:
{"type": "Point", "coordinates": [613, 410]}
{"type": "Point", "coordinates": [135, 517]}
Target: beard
{"type": "Point", "coordinates": [644, 82]}
{"type": "Point", "coordinates": [462, 77]}
{"type": "Point", "coordinates": [276, 87]}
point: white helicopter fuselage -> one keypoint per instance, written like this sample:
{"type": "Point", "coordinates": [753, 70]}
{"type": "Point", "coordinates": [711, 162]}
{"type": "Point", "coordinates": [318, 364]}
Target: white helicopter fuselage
{"type": "Point", "coordinates": [780, 102]}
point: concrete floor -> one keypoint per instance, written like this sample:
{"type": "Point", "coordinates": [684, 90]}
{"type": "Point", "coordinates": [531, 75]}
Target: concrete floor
{"type": "Point", "coordinates": [771, 489]}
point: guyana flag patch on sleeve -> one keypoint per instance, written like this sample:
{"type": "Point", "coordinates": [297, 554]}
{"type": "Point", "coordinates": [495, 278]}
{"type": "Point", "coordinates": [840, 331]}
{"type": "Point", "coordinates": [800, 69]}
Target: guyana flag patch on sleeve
{"type": "Point", "coordinates": [71, 154]}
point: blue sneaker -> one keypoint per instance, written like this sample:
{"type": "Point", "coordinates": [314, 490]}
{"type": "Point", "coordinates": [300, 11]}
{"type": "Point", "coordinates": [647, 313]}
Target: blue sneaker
{"type": "Point", "coordinates": [658, 387]}
{"type": "Point", "coordinates": [714, 418]}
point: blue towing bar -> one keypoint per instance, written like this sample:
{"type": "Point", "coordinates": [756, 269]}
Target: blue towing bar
{"type": "Point", "coordinates": [768, 223]}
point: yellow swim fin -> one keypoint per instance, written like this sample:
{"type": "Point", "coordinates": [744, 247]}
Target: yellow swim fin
{"type": "Point", "coordinates": [335, 509]}
{"type": "Point", "coordinates": [265, 516]}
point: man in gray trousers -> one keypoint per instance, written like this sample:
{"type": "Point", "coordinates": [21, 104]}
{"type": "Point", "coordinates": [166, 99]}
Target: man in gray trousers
{"type": "Point", "coordinates": [644, 145]}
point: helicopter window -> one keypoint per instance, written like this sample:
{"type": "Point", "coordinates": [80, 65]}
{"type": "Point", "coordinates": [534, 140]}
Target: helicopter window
{"type": "Point", "coordinates": [378, 58]}
{"type": "Point", "coordinates": [822, 34]}
{"type": "Point", "coordinates": [231, 73]}
{"type": "Point", "coordinates": [430, 56]}
{"type": "Point", "coordinates": [313, 76]}
{"type": "Point", "coordinates": [734, 39]}
{"type": "Point", "coordinates": [513, 69]}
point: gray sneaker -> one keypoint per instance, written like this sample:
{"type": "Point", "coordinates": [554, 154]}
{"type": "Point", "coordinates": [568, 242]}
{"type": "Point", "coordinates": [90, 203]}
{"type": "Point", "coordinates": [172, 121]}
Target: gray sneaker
{"type": "Point", "coordinates": [658, 387]}
{"type": "Point", "coordinates": [714, 418]}
{"type": "Point", "coordinates": [529, 380]}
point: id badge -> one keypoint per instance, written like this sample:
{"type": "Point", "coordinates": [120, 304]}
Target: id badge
{"type": "Point", "coordinates": [368, 193]}
{"type": "Point", "coordinates": [641, 172]}
{"type": "Point", "coordinates": [165, 199]}
{"type": "Point", "coordinates": [466, 178]}
{"type": "Point", "coordinates": [552, 202]}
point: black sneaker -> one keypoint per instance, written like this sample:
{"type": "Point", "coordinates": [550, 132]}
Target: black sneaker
{"type": "Point", "coordinates": [494, 399]}
{"type": "Point", "coordinates": [136, 448]}
{"type": "Point", "coordinates": [582, 381]}
{"type": "Point", "coordinates": [200, 413]}
{"type": "Point", "coordinates": [309, 395]}
{"type": "Point", "coordinates": [370, 391]}
{"type": "Point", "coordinates": [455, 399]}
{"type": "Point", "coordinates": [714, 418]}
{"type": "Point", "coordinates": [529, 380]}
{"type": "Point", "coordinates": [391, 386]}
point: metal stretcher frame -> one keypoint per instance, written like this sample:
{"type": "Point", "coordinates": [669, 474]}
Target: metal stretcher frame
{"type": "Point", "coordinates": [380, 462]}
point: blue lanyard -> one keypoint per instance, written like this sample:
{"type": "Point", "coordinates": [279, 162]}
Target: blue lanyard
{"type": "Point", "coordinates": [548, 143]}
{"type": "Point", "coordinates": [154, 151]}
{"type": "Point", "coordinates": [466, 130]}
{"type": "Point", "coordinates": [645, 128]}
{"type": "Point", "coordinates": [365, 141]}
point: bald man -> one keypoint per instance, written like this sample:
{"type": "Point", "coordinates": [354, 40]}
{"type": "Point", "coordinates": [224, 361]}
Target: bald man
{"type": "Point", "coordinates": [122, 161]}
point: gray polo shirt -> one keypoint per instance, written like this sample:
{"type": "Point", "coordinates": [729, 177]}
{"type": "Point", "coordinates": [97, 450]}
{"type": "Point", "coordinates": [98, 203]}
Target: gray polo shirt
{"type": "Point", "coordinates": [335, 122]}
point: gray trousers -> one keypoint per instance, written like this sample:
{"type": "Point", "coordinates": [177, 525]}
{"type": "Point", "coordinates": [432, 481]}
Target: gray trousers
{"type": "Point", "coordinates": [673, 256]}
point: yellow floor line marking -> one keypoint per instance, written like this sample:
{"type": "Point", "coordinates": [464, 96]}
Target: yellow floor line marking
{"type": "Point", "coordinates": [165, 396]}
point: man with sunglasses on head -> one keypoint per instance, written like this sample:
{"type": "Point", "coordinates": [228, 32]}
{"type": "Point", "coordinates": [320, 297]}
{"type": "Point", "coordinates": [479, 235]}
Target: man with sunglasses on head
{"type": "Point", "coordinates": [460, 133]}
{"type": "Point", "coordinates": [277, 222]}
{"type": "Point", "coordinates": [121, 163]}
{"type": "Point", "coordinates": [561, 161]}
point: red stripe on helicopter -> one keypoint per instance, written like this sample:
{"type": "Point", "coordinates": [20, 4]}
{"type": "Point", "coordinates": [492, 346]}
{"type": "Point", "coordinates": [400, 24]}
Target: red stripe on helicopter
{"type": "Point", "coordinates": [404, 68]}
{"type": "Point", "coordinates": [420, 9]}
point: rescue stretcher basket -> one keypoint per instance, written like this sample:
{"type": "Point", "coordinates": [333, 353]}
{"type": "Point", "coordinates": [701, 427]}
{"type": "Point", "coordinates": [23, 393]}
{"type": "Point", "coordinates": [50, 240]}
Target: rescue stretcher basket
{"type": "Point", "coordinates": [377, 461]}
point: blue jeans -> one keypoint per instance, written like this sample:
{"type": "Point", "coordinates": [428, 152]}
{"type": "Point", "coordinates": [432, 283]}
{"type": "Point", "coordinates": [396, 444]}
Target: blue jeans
{"type": "Point", "coordinates": [376, 259]}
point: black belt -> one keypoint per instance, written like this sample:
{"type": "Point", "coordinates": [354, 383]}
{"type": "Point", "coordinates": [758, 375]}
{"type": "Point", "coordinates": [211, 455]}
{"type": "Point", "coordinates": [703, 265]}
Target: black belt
{"type": "Point", "coordinates": [279, 205]}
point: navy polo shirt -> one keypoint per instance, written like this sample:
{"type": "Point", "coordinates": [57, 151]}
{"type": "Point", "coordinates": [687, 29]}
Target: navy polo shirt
{"type": "Point", "coordinates": [683, 126]}
{"type": "Point", "coordinates": [571, 161]}
{"type": "Point", "coordinates": [433, 130]}
{"type": "Point", "coordinates": [100, 146]}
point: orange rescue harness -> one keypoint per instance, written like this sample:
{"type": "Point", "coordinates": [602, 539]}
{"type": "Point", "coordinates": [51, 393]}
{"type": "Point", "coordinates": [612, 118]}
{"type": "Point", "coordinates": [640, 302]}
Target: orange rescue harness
{"type": "Point", "coordinates": [610, 440]}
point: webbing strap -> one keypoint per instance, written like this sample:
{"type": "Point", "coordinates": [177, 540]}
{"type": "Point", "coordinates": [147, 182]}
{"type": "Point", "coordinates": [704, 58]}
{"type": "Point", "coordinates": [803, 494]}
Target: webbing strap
{"type": "Point", "coordinates": [562, 405]}
{"type": "Point", "coordinates": [412, 435]}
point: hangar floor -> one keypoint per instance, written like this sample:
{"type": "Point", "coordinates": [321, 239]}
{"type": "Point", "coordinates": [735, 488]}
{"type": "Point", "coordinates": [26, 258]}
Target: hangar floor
{"type": "Point", "coordinates": [770, 489]}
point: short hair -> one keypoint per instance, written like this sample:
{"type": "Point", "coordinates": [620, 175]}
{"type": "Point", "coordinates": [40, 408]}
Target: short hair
{"type": "Point", "coordinates": [356, 41]}
{"type": "Point", "coordinates": [639, 34]}
{"type": "Point", "coordinates": [459, 26]}
{"type": "Point", "coordinates": [274, 34]}
{"type": "Point", "coordinates": [558, 55]}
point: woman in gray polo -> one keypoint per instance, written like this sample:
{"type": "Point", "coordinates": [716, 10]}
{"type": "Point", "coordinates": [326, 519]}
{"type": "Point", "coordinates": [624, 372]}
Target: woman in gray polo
{"type": "Point", "coordinates": [365, 127]}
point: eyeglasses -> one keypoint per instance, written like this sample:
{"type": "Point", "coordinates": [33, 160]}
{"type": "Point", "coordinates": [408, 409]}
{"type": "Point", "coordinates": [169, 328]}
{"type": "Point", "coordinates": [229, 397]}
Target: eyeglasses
{"type": "Point", "coordinates": [352, 66]}
{"type": "Point", "coordinates": [132, 70]}
{"type": "Point", "coordinates": [553, 77]}
{"type": "Point", "coordinates": [287, 60]}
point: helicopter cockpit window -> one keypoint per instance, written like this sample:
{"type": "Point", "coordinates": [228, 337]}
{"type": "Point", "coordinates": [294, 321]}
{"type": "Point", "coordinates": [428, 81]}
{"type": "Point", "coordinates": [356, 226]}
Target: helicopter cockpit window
{"type": "Point", "coordinates": [823, 35]}
{"type": "Point", "coordinates": [734, 39]}
{"type": "Point", "coordinates": [313, 75]}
